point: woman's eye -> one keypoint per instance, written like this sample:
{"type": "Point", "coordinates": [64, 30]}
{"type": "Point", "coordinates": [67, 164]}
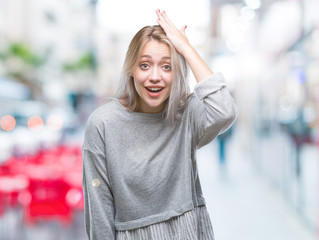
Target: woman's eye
{"type": "Point", "coordinates": [144, 66]}
{"type": "Point", "coordinates": [167, 67]}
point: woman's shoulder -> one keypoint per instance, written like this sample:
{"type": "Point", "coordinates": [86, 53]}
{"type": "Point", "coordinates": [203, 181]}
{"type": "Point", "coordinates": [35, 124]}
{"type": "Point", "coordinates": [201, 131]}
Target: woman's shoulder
{"type": "Point", "coordinates": [104, 113]}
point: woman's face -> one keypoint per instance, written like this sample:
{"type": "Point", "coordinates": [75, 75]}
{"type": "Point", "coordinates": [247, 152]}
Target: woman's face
{"type": "Point", "coordinates": [153, 77]}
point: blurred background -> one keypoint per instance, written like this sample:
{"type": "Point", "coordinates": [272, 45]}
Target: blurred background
{"type": "Point", "coordinates": [59, 60]}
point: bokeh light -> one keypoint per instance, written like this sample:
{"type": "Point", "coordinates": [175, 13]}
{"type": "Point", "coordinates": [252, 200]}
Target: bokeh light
{"type": "Point", "coordinates": [35, 123]}
{"type": "Point", "coordinates": [54, 123]}
{"type": "Point", "coordinates": [8, 123]}
{"type": "Point", "coordinates": [74, 196]}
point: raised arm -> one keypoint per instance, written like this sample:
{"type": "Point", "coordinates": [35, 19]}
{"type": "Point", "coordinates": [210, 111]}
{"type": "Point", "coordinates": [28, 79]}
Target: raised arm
{"type": "Point", "coordinates": [179, 40]}
{"type": "Point", "coordinates": [213, 110]}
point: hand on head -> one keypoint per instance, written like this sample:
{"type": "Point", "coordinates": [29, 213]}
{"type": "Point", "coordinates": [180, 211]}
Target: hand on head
{"type": "Point", "coordinates": [177, 37]}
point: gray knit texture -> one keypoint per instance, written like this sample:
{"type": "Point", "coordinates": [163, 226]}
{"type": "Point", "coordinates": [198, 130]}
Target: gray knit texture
{"type": "Point", "coordinates": [139, 171]}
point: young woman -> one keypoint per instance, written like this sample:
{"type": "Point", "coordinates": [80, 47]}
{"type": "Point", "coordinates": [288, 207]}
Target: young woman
{"type": "Point", "coordinates": [140, 177]}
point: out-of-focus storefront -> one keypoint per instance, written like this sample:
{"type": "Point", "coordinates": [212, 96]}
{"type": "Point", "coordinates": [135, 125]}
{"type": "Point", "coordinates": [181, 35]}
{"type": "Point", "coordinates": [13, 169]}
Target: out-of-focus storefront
{"type": "Point", "coordinates": [286, 113]}
{"type": "Point", "coordinates": [268, 50]}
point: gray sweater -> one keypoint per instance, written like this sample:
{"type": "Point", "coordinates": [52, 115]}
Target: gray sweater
{"type": "Point", "coordinates": [139, 171]}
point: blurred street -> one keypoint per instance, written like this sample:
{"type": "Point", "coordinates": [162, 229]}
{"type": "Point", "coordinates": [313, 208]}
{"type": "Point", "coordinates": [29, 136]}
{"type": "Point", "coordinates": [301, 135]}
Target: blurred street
{"type": "Point", "coordinates": [243, 204]}
{"type": "Point", "coordinates": [60, 60]}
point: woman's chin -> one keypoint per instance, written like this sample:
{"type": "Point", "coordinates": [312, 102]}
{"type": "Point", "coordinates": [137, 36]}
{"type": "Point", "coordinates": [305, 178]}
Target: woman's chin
{"type": "Point", "coordinates": [153, 107]}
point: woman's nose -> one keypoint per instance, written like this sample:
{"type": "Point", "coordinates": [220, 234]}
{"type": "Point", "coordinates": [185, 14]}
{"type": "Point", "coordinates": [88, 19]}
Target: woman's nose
{"type": "Point", "coordinates": [155, 75]}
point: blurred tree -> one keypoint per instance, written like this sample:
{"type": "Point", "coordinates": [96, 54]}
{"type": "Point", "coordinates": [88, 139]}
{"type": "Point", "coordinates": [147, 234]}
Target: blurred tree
{"type": "Point", "coordinates": [86, 61]}
{"type": "Point", "coordinates": [83, 69]}
{"type": "Point", "coordinates": [21, 64]}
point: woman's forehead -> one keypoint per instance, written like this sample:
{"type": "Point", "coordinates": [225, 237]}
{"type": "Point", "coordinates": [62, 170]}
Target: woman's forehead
{"type": "Point", "coordinates": [155, 49]}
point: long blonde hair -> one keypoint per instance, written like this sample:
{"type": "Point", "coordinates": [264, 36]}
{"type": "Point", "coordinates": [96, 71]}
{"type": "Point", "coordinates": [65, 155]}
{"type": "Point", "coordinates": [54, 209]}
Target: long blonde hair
{"type": "Point", "coordinates": [180, 88]}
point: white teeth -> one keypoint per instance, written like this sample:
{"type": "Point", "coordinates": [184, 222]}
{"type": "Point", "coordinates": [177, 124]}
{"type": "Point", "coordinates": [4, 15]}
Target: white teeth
{"type": "Point", "coordinates": [154, 89]}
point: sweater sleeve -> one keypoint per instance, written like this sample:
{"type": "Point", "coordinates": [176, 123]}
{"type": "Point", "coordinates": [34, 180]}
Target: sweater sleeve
{"type": "Point", "coordinates": [98, 197]}
{"type": "Point", "coordinates": [214, 110]}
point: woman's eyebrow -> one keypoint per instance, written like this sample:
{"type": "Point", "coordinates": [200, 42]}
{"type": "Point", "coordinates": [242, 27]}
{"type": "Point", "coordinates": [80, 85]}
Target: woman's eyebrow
{"type": "Point", "coordinates": [148, 56]}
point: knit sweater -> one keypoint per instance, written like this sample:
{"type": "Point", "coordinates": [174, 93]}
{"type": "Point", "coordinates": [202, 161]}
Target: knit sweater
{"type": "Point", "coordinates": [138, 171]}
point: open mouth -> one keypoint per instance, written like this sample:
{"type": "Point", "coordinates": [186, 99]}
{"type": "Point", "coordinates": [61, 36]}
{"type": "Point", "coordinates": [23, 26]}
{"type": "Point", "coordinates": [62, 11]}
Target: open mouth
{"type": "Point", "coordinates": [154, 90]}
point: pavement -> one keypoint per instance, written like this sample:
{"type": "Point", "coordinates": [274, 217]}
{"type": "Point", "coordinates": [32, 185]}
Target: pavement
{"type": "Point", "coordinates": [243, 204]}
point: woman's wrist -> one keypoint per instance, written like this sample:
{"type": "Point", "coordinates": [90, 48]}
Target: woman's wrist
{"type": "Point", "coordinates": [187, 50]}
{"type": "Point", "coordinates": [198, 66]}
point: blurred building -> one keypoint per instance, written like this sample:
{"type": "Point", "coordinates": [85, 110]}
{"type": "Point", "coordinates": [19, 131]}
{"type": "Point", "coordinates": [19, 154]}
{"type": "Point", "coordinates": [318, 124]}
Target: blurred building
{"type": "Point", "coordinates": [62, 31]}
{"type": "Point", "coordinates": [269, 49]}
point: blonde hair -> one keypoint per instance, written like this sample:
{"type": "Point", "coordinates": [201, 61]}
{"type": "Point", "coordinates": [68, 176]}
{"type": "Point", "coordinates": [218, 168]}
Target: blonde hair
{"type": "Point", "coordinates": [176, 102]}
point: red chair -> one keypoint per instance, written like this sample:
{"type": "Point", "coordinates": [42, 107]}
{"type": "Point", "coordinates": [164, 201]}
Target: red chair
{"type": "Point", "coordinates": [74, 195]}
{"type": "Point", "coordinates": [54, 184]}
{"type": "Point", "coordinates": [11, 185]}
{"type": "Point", "coordinates": [48, 201]}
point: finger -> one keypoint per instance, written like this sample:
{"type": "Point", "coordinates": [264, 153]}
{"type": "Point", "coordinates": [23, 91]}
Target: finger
{"type": "Point", "coordinates": [164, 19]}
{"type": "Point", "coordinates": [182, 30]}
{"type": "Point", "coordinates": [163, 24]}
{"type": "Point", "coordinates": [161, 21]}
{"type": "Point", "coordinates": [158, 13]}
{"type": "Point", "coordinates": [169, 22]}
